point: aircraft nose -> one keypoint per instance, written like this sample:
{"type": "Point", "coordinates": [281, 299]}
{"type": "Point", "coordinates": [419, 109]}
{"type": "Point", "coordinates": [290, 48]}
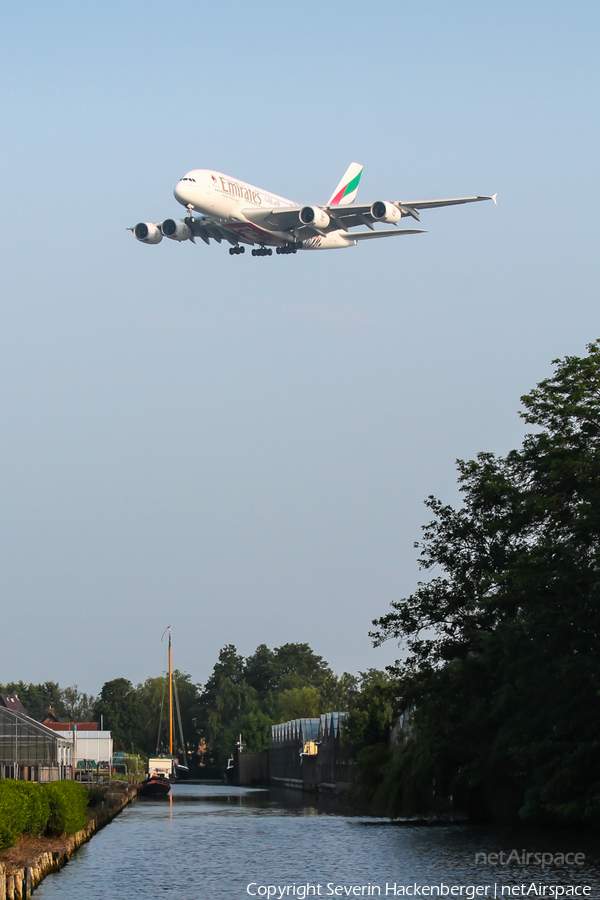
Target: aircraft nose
{"type": "Point", "coordinates": [178, 191]}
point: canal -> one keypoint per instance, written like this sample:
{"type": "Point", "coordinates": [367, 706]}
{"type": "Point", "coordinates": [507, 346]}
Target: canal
{"type": "Point", "coordinates": [223, 843]}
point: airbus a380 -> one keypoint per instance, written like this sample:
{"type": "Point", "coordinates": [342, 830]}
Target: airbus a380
{"type": "Point", "coordinates": [241, 214]}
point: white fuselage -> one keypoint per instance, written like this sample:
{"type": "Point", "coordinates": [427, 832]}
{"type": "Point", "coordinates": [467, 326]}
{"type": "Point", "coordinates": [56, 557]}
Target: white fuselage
{"type": "Point", "coordinates": [224, 199]}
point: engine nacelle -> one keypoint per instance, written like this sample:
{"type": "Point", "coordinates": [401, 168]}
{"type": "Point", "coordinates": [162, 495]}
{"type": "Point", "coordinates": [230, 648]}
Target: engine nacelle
{"type": "Point", "coordinates": [315, 216]}
{"type": "Point", "coordinates": [148, 233]}
{"type": "Point", "coordinates": [384, 211]}
{"type": "Point", "coordinates": [176, 230]}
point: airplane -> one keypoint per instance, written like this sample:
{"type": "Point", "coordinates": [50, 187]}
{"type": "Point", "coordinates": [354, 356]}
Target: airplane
{"type": "Point", "coordinates": [242, 214]}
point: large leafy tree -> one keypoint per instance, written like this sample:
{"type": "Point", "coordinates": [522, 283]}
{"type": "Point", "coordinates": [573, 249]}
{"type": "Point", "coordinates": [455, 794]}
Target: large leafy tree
{"type": "Point", "coordinates": [502, 668]}
{"type": "Point", "coordinates": [122, 709]}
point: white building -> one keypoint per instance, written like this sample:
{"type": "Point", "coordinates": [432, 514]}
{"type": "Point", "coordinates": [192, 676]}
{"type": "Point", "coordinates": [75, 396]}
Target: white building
{"type": "Point", "coordinates": [94, 747]}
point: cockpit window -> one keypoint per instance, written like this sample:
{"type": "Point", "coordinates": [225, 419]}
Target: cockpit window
{"type": "Point", "coordinates": [189, 179]}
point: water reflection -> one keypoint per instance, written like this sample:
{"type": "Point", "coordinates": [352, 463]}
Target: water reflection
{"type": "Point", "coordinates": [211, 841]}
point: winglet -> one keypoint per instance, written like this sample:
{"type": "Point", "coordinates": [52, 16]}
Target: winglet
{"type": "Point", "coordinates": [494, 199]}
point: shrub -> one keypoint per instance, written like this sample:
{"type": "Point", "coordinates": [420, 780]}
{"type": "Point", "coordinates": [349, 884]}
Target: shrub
{"type": "Point", "coordinates": [68, 804]}
{"type": "Point", "coordinates": [13, 813]}
{"type": "Point", "coordinates": [95, 796]}
{"type": "Point", "coordinates": [30, 808]}
{"type": "Point", "coordinates": [24, 807]}
{"type": "Point", "coordinates": [38, 807]}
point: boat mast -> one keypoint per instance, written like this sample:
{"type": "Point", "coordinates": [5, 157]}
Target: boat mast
{"type": "Point", "coordinates": [168, 628]}
{"type": "Point", "coordinates": [170, 698]}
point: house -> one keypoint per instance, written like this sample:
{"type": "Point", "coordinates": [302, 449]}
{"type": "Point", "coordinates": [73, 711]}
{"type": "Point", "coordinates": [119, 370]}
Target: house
{"type": "Point", "coordinates": [11, 701]}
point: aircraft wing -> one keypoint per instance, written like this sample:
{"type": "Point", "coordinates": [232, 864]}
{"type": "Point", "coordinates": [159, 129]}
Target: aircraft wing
{"type": "Point", "coordinates": [288, 220]}
{"type": "Point", "coordinates": [410, 205]}
{"type": "Point", "coordinates": [359, 214]}
{"type": "Point", "coordinates": [281, 219]}
{"type": "Point", "coordinates": [343, 217]}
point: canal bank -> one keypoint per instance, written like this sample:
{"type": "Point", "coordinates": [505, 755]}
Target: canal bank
{"type": "Point", "coordinates": [24, 866]}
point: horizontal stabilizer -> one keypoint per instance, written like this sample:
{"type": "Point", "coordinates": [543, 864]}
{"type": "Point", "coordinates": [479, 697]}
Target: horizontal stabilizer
{"type": "Point", "coordinates": [370, 235]}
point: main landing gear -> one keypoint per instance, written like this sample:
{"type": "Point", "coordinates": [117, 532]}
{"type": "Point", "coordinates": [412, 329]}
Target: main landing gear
{"type": "Point", "coordinates": [268, 251]}
{"type": "Point", "coordinates": [233, 251]}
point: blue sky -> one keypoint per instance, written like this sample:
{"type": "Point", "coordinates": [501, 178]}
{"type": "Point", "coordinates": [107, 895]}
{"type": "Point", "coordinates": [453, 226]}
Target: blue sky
{"type": "Point", "coordinates": [240, 447]}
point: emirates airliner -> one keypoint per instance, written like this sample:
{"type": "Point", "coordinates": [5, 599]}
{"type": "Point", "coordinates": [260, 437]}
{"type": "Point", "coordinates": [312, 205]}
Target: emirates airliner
{"type": "Point", "coordinates": [242, 214]}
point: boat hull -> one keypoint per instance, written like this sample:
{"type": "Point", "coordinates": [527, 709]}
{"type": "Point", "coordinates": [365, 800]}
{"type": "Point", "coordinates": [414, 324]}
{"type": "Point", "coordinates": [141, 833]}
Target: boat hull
{"type": "Point", "coordinates": [155, 787]}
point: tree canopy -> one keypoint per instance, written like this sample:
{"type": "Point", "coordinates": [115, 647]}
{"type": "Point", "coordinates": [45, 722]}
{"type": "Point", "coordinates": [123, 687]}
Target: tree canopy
{"type": "Point", "coordinates": [501, 676]}
{"type": "Point", "coordinates": [68, 703]}
{"type": "Point", "coordinates": [247, 695]}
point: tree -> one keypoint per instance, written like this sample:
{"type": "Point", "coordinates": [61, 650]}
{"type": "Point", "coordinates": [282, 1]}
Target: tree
{"type": "Point", "coordinates": [154, 696]}
{"type": "Point", "coordinates": [297, 665]}
{"type": "Point", "coordinates": [337, 694]}
{"type": "Point", "coordinates": [261, 671]}
{"type": "Point", "coordinates": [76, 706]}
{"type": "Point", "coordinates": [68, 703]}
{"type": "Point", "coordinates": [36, 698]}
{"type": "Point", "coordinates": [298, 703]}
{"type": "Point", "coordinates": [248, 696]}
{"type": "Point", "coordinates": [369, 720]}
{"type": "Point", "coordinates": [225, 700]}
{"type": "Point", "coordinates": [502, 673]}
{"type": "Point", "coordinates": [122, 709]}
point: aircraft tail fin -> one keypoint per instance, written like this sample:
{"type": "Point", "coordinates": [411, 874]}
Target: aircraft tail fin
{"type": "Point", "coordinates": [347, 189]}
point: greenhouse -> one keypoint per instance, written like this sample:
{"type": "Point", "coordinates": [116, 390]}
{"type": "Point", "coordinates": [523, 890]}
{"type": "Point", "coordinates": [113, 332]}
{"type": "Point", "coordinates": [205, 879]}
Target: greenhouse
{"type": "Point", "coordinates": [30, 751]}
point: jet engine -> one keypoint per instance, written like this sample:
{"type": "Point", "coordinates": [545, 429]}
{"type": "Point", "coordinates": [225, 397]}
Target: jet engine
{"type": "Point", "coordinates": [148, 233]}
{"type": "Point", "coordinates": [315, 216]}
{"type": "Point", "coordinates": [384, 211]}
{"type": "Point", "coordinates": [176, 229]}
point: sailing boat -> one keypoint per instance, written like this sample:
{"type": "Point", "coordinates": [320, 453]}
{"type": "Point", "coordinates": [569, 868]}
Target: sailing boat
{"type": "Point", "coordinates": [163, 770]}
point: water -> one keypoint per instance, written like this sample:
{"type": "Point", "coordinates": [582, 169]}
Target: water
{"type": "Point", "coordinates": [224, 843]}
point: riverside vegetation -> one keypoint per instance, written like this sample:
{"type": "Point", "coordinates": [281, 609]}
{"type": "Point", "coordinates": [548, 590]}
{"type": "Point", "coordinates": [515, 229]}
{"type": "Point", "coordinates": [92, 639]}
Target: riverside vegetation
{"type": "Point", "coordinates": [40, 809]}
{"type": "Point", "coordinates": [243, 695]}
{"type": "Point", "coordinates": [500, 685]}
{"type": "Point", "coordinates": [498, 691]}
